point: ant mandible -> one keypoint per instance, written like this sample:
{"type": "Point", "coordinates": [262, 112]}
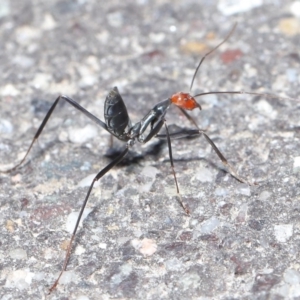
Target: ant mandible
{"type": "Point", "coordinates": [118, 124]}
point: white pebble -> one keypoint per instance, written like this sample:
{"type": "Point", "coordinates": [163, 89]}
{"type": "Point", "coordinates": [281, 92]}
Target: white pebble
{"type": "Point", "coordinates": [291, 276]}
{"type": "Point", "coordinates": [20, 279]}
{"type": "Point", "coordinates": [295, 9]}
{"type": "Point", "coordinates": [9, 90]}
{"type": "Point", "coordinates": [209, 225]}
{"type": "Point", "coordinates": [149, 172]}
{"type": "Point", "coordinates": [244, 189]}
{"type": "Point", "coordinates": [72, 219]}
{"type": "Point", "coordinates": [82, 135]}
{"type": "Point", "coordinates": [146, 246]}
{"type": "Point", "coordinates": [204, 175]}
{"type": "Point", "coordinates": [221, 192]}
{"type": "Point", "coordinates": [231, 7]}
{"type": "Point", "coordinates": [264, 195]}
{"type": "Point", "coordinates": [87, 181]}
{"type": "Point", "coordinates": [266, 109]}
{"type": "Point", "coordinates": [283, 232]}
{"type": "Point", "coordinates": [18, 253]}
{"type": "Point", "coordinates": [6, 126]}
{"type": "Point", "coordinates": [296, 166]}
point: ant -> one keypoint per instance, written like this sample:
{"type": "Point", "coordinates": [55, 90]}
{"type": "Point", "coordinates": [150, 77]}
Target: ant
{"type": "Point", "coordinates": [118, 124]}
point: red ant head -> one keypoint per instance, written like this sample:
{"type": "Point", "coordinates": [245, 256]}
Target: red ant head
{"type": "Point", "coordinates": [185, 101]}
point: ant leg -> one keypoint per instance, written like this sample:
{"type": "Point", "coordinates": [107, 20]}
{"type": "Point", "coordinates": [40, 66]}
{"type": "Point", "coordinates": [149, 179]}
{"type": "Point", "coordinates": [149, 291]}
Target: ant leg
{"type": "Point", "coordinates": [173, 169]}
{"type": "Point", "coordinates": [194, 133]}
{"type": "Point", "coordinates": [231, 169]}
{"type": "Point", "coordinates": [44, 122]}
{"type": "Point", "coordinates": [98, 176]}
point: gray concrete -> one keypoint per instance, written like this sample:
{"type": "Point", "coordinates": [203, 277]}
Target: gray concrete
{"type": "Point", "coordinates": [240, 241]}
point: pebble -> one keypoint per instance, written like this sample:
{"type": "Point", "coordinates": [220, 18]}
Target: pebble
{"type": "Point", "coordinates": [295, 9]}
{"type": "Point", "coordinates": [4, 8]}
{"type": "Point", "coordinates": [174, 264]}
{"type": "Point", "coordinates": [41, 81]}
{"type": "Point", "coordinates": [150, 173]}
{"type": "Point", "coordinates": [87, 181]}
{"type": "Point", "coordinates": [231, 7]}
{"type": "Point", "coordinates": [296, 165]}
{"type": "Point", "coordinates": [82, 297]}
{"type": "Point", "coordinates": [25, 35]}
{"type": "Point", "coordinates": [266, 109]}
{"type": "Point", "coordinates": [67, 277]}
{"type": "Point", "coordinates": [208, 226]}
{"type": "Point", "coordinates": [18, 253]}
{"type": "Point", "coordinates": [292, 74]}
{"type": "Point", "coordinates": [6, 127]}
{"type": "Point", "coordinates": [283, 232]}
{"type": "Point", "coordinates": [289, 26]}
{"type": "Point", "coordinates": [48, 23]}
{"type": "Point", "coordinates": [115, 19]}
{"type": "Point", "coordinates": [82, 135]}
{"type": "Point", "coordinates": [20, 279]}
{"type": "Point", "coordinates": [9, 90]}
{"type": "Point", "coordinates": [72, 219]}
{"type": "Point", "coordinates": [221, 192]}
{"type": "Point", "coordinates": [147, 247]}
{"type": "Point", "coordinates": [23, 61]}
{"type": "Point", "coordinates": [204, 175]}
{"type": "Point", "coordinates": [244, 189]}
{"type": "Point", "coordinates": [291, 276]}
{"type": "Point", "coordinates": [264, 195]}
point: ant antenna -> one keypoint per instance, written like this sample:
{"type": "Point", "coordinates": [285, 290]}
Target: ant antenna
{"type": "Point", "coordinates": [208, 53]}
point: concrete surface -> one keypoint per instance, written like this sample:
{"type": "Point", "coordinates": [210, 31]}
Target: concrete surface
{"type": "Point", "coordinates": [240, 241]}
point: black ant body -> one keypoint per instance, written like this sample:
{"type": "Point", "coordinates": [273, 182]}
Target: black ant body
{"type": "Point", "coordinates": [118, 124]}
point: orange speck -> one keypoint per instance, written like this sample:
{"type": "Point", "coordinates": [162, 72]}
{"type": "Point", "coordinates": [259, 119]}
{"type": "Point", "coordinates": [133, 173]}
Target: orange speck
{"type": "Point", "coordinates": [231, 55]}
{"type": "Point", "coordinates": [185, 101]}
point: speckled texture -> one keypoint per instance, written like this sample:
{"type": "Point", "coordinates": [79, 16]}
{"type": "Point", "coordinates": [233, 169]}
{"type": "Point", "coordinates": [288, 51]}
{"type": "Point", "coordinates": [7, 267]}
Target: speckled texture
{"type": "Point", "coordinates": [240, 241]}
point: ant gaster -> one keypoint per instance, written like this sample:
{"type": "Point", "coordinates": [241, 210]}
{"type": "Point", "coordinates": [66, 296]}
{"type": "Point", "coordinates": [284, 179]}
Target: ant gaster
{"type": "Point", "coordinates": [118, 124]}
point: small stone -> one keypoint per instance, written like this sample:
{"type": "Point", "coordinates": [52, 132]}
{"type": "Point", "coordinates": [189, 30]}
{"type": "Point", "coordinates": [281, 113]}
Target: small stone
{"type": "Point", "coordinates": [27, 34]}
{"type": "Point", "coordinates": [23, 61]}
{"type": "Point", "coordinates": [18, 253]}
{"type": "Point", "coordinates": [68, 277]}
{"type": "Point", "coordinates": [291, 276]}
{"type": "Point", "coordinates": [4, 8]}
{"type": "Point", "coordinates": [283, 232]}
{"type": "Point", "coordinates": [296, 165]}
{"type": "Point", "coordinates": [6, 127]}
{"type": "Point", "coordinates": [264, 195]}
{"type": "Point", "coordinates": [209, 225]}
{"type": "Point", "coordinates": [48, 23]}
{"type": "Point", "coordinates": [194, 47]}
{"type": "Point", "coordinates": [221, 192]}
{"type": "Point", "coordinates": [87, 181]}
{"type": "Point", "coordinates": [204, 175]}
{"type": "Point", "coordinates": [20, 279]}
{"type": "Point", "coordinates": [115, 19]}
{"type": "Point", "coordinates": [41, 81]}
{"type": "Point", "coordinates": [150, 173]}
{"type": "Point", "coordinates": [72, 219]}
{"type": "Point", "coordinates": [146, 246]}
{"type": "Point", "coordinates": [295, 9]}
{"type": "Point", "coordinates": [229, 7]}
{"type": "Point", "coordinates": [174, 264]}
{"type": "Point", "coordinates": [266, 109]}
{"type": "Point", "coordinates": [82, 297]}
{"type": "Point", "coordinates": [244, 189]}
{"type": "Point", "coordinates": [9, 90]}
{"type": "Point", "coordinates": [289, 26]}
{"type": "Point", "coordinates": [82, 135]}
